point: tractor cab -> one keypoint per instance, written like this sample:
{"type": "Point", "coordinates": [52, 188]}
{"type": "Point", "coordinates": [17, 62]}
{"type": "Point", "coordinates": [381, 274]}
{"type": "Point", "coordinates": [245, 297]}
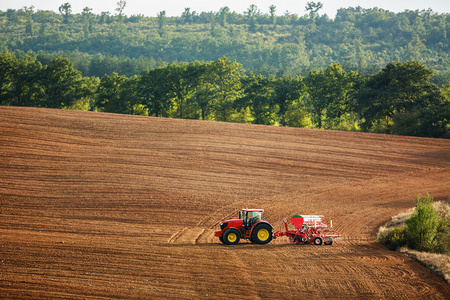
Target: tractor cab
{"type": "Point", "coordinates": [250, 217]}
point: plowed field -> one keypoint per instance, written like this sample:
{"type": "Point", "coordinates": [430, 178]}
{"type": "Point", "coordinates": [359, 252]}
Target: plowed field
{"type": "Point", "coordinates": [96, 205]}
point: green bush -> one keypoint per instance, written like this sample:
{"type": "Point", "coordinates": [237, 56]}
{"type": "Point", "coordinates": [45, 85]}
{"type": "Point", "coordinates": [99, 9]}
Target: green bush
{"type": "Point", "coordinates": [423, 225]}
{"type": "Point", "coordinates": [443, 236]}
{"type": "Point", "coordinates": [394, 238]}
{"type": "Point", "coordinates": [427, 229]}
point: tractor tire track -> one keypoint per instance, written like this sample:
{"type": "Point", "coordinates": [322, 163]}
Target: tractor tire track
{"type": "Point", "coordinates": [176, 235]}
{"type": "Point", "coordinates": [222, 213]}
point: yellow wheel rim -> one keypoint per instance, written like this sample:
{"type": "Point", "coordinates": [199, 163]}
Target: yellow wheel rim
{"type": "Point", "coordinates": [232, 237]}
{"type": "Point", "coordinates": [263, 234]}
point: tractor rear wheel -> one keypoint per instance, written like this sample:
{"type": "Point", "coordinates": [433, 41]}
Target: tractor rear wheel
{"type": "Point", "coordinates": [262, 234]}
{"type": "Point", "coordinates": [231, 236]}
{"type": "Point", "coordinates": [318, 241]}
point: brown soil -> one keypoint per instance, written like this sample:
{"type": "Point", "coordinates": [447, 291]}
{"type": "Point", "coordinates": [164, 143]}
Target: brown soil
{"type": "Point", "coordinates": [96, 205]}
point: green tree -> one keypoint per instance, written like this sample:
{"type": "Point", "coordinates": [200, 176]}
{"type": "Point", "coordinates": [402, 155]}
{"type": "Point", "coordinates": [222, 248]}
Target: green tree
{"type": "Point", "coordinates": [206, 91]}
{"type": "Point", "coordinates": [339, 89]}
{"type": "Point", "coordinates": [29, 27]}
{"type": "Point", "coordinates": [12, 16]}
{"type": "Point", "coordinates": [7, 61]}
{"type": "Point", "coordinates": [182, 80]}
{"type": "Point", "coordinates": [61, 83]}
{"type": "Point", "coordinates": [22, 81]}
{"type": "Point", "coordinates": [162, 23]}
{"type": "Point", "coordinates": [257, 95]}
{"type": "Point", "coordinates": [120, 8]}
{"type": "Point", "coordinates": [153, 91]}
{"type": "Point", "coordinates": [401, 90]}
{"type": "Point", "coordinates": [87, 93]}
{"type": "Point", "coordinates": [109, 94]}
{"type": "Point", "coordinates": [217, 88]}
{"type": "Point", "coordinates": [188, 16]}
{"type": "Point", "coordinates": [287, 89]}
{"type": "Point", "coordinates": [423, 224]}
{"type": "Point", "coordinates": [223, 15]}
{"type": "Point", "coordinates": [315, 84]}
{"type": "Point", "coordinates": [87, 16]}
{"type": "Point", "coordinates": [433, 119]}
{"type": "Point", "coordinates": [251, 15]}
{"type": "Point", "coordinates": [327, 92]}
{"type": "Point", "coordinates": [65, 10]}
{"type": "Point", "coordinates": [105, 17]}
{"type": "Point", "coordinates": [129, 99]}
{"type": "Point", "coordinates": [227, 87]}
{"type": "Point", "coordinates": [313, 8]}
{"type": "Point", "coordinates": [273, 16]}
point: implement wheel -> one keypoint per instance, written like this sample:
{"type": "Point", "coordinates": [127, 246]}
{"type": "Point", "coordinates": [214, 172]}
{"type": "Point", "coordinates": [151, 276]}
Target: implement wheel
{"type": "Point", "coordinates": [262, 234]}
{"type": "Point", "coordinates": [231, 236]}
{"type": "Point", "coordinates": [318, 241]}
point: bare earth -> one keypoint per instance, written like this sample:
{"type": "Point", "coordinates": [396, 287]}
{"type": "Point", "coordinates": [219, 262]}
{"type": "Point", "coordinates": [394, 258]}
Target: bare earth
{"type": "Point", "coordinates": [96, 205]}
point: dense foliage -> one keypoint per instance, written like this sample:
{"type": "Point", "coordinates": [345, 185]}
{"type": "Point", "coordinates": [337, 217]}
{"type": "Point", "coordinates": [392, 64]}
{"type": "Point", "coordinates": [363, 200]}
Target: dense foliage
{"type": "Point", "coordinates": [368, 69]}
{"type": "Point", "coordinates": [363, 40]}
{"type": "Point", "coordinates": [399, 99]}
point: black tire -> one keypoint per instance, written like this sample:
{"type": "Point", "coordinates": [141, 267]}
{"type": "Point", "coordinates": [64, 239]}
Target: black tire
{"type": "Point", "coordinates": [318, 241]}
{"type": "Point", "coordinates": [231, 236]}
{"type": "Point", "coordinates": [221, 239]}
{"type": "Point", "coordinates": [262, 234]}
{"type": "Point", "coordinates": [329, 242]}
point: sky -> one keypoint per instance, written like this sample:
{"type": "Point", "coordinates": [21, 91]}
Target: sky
{"type": "Point", "coordinates": [151, 8]}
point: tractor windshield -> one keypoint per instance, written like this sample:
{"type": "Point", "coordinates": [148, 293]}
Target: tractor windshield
{"type": "Point", "coordinates": [255, 216]}
{"type": "Point", "coordinates": [252, 217]}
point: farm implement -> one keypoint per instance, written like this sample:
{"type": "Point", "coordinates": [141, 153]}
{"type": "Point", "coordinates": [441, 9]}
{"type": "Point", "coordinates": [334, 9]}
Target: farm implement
{"type": "Point", "coordinates": [251, 226]}
{"type": "Point", "coordinates": [309, 229]}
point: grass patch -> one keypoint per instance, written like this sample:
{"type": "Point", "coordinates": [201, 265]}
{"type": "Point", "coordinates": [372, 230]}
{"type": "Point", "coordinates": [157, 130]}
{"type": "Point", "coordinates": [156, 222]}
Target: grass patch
{"type": "Point", "coordinates": [439, 263]}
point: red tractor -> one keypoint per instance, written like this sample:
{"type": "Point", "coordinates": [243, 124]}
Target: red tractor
{"type": "Point", "coordinates": [250, 225]}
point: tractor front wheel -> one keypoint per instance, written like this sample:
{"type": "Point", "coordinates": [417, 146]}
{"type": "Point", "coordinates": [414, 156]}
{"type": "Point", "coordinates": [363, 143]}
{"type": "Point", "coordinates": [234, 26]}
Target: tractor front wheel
{"type": "Point", "coordinates": [231, 236]}
{"type": "Point", "coordinates": [262, 234]}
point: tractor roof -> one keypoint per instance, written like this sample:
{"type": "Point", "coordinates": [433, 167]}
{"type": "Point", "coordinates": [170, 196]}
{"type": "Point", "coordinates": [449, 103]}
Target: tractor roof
{"type": "Point", "coordinates": [253, 209]}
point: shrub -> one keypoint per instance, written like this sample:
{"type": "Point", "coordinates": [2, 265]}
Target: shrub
{"type": "Point", "coordinates": [426, 227]}
{"type": "Point", "coordinates": [443, 236]}
{"type": "Point", "coordinates": [423, 225]}
{"type": "Point", "coordinates": [394, 237]}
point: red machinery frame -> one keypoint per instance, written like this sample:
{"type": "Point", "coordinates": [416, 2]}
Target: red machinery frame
{"type": "Point", "coordinates": [309, 229]}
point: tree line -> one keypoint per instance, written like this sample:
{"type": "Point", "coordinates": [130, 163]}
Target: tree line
{"type": "Point", "coordinates": [399, 99]}
{"type": "Point", "coordinates": [362, 40]}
